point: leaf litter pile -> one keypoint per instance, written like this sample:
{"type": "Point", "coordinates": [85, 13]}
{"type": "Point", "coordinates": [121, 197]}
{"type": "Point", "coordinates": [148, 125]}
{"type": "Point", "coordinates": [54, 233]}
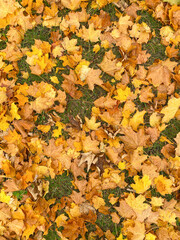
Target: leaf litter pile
{"type": "Point", "coordinates": [89, 119]}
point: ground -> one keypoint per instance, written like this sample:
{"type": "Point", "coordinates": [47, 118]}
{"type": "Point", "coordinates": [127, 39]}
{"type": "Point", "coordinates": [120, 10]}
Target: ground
{"type": "Point", "coordinates": [89, 103]}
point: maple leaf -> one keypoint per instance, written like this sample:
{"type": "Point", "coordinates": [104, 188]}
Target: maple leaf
{"type": "Point", "coordinates": [91, 123]}
{"type": "Point", "coordinates": [3, 197]}
{"type": "Point", "coordinates": [5, 214]}
{"type": "Point", "coordinates": [93, 78]}
{"type": "Point", "coordinates": [123, 94]}
{"type": "Point", "coordinates": [163, 185]}
{"type": "Point", "coordinates": [163, 73]}
{"type": "Point", "coordinates": [138, 231]}
{"type": "Point", "coordinates": [88, 157]}
{"type": "Point", "coordinates": [90, 145]}
{"type": "Point", "coordinates": [60, 220]}
{"type": "Point", "coordinates": [10, 185]}
{"type": "Point", "coordinates": [110, 66]}
{"type": "Point", "coordinates": [14, 111]}
{"type": "Point", "coordinates": [170, 110]}
{"type": "Point", "coordinates": [98, 202]}
{"type": "Point", "coordinates": [58, 132]}
{"type": "Point", "coordinates": [8, 7]}
{"type": "Point", "coordinates": [167, 216]}
{"type": "Point", "coordinates": [71, 4]}
{"type": "Point", "coordinates": [141, 185]}
{"type": "Point", "coordinates": [133, 140]}
{"type": "Point", "coordinates": [28, 231]}
{"type": "Point", "coordinates": [137, 119]}
{"type": "Point", "coordinates": [16, 226]}
{"type": "Point", "coordinates": [124, 23]}
{"type": "Point", "coordinates": [70, 45]}
{"type": "Point", "coordinates": [125, 210]}
{"type": "Point", "coordinates": [141, 32]}
{"type": "Point", "coordinates": [105, 102]}
{"type": "Point", "coordinates": [89, 34]}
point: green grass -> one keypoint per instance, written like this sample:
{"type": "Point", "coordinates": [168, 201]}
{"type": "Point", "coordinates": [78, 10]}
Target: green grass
{"type": "Point", "coordinates": [39, 32]}
{"type": "Point", "coordinates": [19, 194]}
{"type": "Point", "coordinates": [52, 234]}
{"type": "Point", "coordinates": [105, 223]}
{"type": "Point", "coordinates": [155, 149]}
{"type": "Point", "coordinates": [82, 106]}
{"type": "Point", "coordinates": [172, 129]}
{"type": "Point", "coordinates": [156, 49]}
{"type": "Point", "coordinates": [153, 46]}
{"type": "Point", "coordinates": [60, 186]}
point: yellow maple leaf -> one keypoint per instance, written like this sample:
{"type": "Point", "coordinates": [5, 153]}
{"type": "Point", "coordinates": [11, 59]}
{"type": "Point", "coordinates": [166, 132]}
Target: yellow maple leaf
{"type": "Point", "coordinates": [60, 220]}
{"type": "Point", "coordinates": [3, 197]}
{"type": "Point", "coordinates": [90, 145]}
{"type": "Point", "coordinates": [28, 231]}
{"type": "Point", "coordinates": [4, 124]}
{"type": "Point", "coordinates": [18, 214]}
{"type": "Point", "coordinates": [58, 132]}
{"type": "Point", "coordinates": [91, 123]}
{"type": "Point", "coordinates": [98, 202]}
{"type": "Point", "coordinates": [89, 34]}
{"type": "Point", "coordinates": [57, 51]}
{"type": "Point", "coordinates": [141, 32]}
{"type": "Point", "coordinates": [44, 128]}
{"type": "Point", "coordinates": [74, 210]}
{"type": "Point", "coordinates": [70, 45]}
{"type": "Point", "coordinates": [150, 236]}
{"type": "Point", "coordinates": [136, 203]}
{"type": "Point", "coordinates": [155, 119]}
{"type": "Point", "coordinates": [54, 79]}
{"type": "Point", "coordinates": [101, 3]}
{"type": "Point", "coordinates": [167, 33]}
{"type": "Point", "coordinates": [96, 48]}
{"type": "Point", "coordinates": [137, 119]}
{"type": "Point", "coordinates": [141, 185]}
{"type": "Point", "coordinates": [167, 216]}
{"type": "Point", "coordinates": [122, 165]}
{"type": "Point", "coordinates": [157, 201]}
{"type": "Point", "coordinates": [13, 137]}
{"type": "Point", "coordinates": [14, 111]}
{"type": "Point", "coordinates": [8, 7]}
{"type": "Point", "coordinates": [124, 23]}
{"type": "Point", "coordinates": [71, 4]}
{"type": "Point", "coordinates": [163, 185]}
{"type": "Point", "coordinates": [123, 94]}
{"type": "Point", "coordinates": [41, 171]}
{"type": "Point", "coordinates": [170, 110]}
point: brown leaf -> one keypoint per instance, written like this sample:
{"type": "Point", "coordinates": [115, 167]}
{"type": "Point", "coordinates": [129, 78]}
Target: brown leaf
{"type": "Point", "coordinates": [105, 102]}
{"type": "Point", "coordinates": [11, 185]}
{"type": "Point", "coordinates": [93, 78]}
{"type": "Point", "coordinates": [138, 231]}
{"type": "Point", "coordinates": [163, 73]}
{"type": "Point", "coordinates": [125, 210]}
{"type": "Point", "coordinates": [132, 140]}
{"type": "Point", "coordinates": [88, 157]}
{"type": "Point", "coordinates": [77, 197]}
